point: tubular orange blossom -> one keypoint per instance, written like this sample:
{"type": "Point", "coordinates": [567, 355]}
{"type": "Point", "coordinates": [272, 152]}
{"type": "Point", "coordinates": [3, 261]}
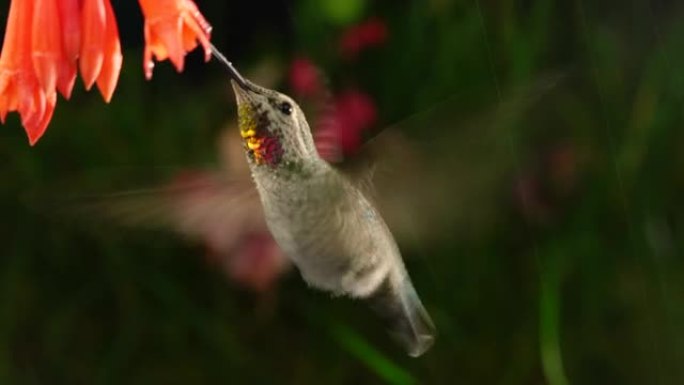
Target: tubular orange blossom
{"type": "Point", "coordinates": [172, 28]}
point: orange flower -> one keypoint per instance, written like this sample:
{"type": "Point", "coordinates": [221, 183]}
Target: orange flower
{"type": "Point", "coordinates": [172, 28]}
{"type": "Point", "coordinates": [46, 40]}
{"type": "Point", "coordinates": [20, 88]}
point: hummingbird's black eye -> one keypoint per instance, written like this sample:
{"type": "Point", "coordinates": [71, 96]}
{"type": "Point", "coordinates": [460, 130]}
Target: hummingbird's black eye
{"type": "Point", "coordinates": [285, 108]}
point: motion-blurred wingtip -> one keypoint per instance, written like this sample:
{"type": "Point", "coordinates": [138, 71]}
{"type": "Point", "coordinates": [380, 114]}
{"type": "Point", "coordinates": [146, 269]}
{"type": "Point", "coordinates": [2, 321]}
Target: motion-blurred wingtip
{"type": "Point", "coordinates": [423, 343]}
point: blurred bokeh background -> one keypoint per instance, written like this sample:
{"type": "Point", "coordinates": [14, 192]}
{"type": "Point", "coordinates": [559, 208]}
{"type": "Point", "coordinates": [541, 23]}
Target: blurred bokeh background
{"type": "Point", "coordinates": [553, 126]}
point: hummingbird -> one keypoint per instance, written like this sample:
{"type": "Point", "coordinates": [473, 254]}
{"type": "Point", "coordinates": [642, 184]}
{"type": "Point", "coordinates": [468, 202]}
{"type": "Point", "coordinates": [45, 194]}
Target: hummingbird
{"type": "Point", "coordinates": [323, 221]}
{"type": "Point", "coordinates": [291, 204]}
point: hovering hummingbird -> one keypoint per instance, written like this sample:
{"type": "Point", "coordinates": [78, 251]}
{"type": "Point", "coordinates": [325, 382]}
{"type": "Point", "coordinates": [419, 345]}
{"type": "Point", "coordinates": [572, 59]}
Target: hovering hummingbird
{"type": "Point", "coordinates": [321, 220]}
{"type": "Point", "coordinates": [320, 213]}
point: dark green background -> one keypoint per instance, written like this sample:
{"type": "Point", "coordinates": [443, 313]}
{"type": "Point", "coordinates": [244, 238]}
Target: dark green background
{"type": "Point", "coordinates": [578, 281]}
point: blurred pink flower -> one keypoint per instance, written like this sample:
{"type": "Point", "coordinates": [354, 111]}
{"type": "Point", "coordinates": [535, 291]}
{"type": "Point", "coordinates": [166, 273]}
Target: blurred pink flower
{"type": "Point", "coordinates": [235, 236]}
{"type": "Point", "coordinates": [543, 190]}
{"type": "Point", "coordinates": [304, 77]}
{"type": "Point", "coordinates": [370, 33]}
{"type": "Point", "coordinates": [340, 121]}
{"type": "Point", "coordinates": [564, 162]}
{"type": "Point", "coordinates": [529, 199]}
{"type": "Point", "coordinates": [339, 132]}
{"type": "Point", "coordinates": [256, 262]}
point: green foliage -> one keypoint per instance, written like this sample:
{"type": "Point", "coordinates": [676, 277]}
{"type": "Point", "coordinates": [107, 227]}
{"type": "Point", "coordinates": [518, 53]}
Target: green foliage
{"type": "Point", "coordinates": [340, 11]}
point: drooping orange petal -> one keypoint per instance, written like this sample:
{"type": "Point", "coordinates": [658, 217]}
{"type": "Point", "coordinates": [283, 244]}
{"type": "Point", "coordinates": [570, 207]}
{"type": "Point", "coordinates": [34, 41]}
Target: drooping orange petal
{"type": "Point", "coordinates": [4, 96]}
{"type": "Point", "coordinates": [148, 63]}
{"type": "Point", "coordinates": [36, 129]}
{"type": "Point", "coordinates": [160, 48]}
{"type": "Point", "coordinates": [15, 57]}
{"type": "Point", "coordinates": [31, 102]}
{"type": "Point", "coordinates": [196, 26]}
{"type": "Point", "coordinates": [93, 29]}
{"type": "Point", "coordinates": [17, 34]}
{"type": "Point", "coordinates": [113, 59]}
{"type": "Point", "coordinates": [46, 43]}
{"type": "Point", "coordinates": [171, 29]}
{"type": "Point", "coordinates": [163, 33]}
{"type": "Point", "coordinates": [189, 40]}
{"type": "Point", "coordinates": [66, 76]}
{"type": "Point", "coordinates": [70, 18]}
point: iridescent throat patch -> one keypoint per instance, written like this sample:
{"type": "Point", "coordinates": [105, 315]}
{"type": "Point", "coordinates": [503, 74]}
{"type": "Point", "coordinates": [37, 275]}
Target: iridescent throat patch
{"type": "Point", "coordinates": [261, 146]}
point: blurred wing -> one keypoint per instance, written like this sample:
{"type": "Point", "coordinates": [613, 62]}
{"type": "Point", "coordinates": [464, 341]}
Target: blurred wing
{"type": "Point", "coordinates": [198, 204]}
{"type": "Point", "coordinates": [430, 188]}
{"type": "Point", "coordinates": [213, 205]}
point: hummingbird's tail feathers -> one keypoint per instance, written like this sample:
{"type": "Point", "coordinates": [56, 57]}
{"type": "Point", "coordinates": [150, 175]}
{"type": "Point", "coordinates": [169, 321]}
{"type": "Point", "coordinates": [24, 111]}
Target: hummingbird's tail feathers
{"type": "Point", "coordinates": [408, 321]}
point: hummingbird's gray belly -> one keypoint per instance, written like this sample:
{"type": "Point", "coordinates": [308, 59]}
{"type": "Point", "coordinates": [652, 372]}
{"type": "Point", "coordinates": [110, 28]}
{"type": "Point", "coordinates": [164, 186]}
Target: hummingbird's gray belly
{"type": "Point", "coordinates": [334, 236]}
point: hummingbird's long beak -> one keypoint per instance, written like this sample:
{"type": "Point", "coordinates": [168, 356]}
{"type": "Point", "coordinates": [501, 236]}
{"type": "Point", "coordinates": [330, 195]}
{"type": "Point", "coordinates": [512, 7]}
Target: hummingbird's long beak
{"type": "Point", "coordinates": [234, 74]}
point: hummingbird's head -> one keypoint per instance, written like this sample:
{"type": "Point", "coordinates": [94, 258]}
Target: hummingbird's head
{"type": "Point", "coordinates": [272, 126]}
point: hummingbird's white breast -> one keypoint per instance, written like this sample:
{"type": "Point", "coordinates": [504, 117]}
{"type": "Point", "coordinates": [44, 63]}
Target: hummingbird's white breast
{"type": "Point", "coordinates": [330, 231]}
